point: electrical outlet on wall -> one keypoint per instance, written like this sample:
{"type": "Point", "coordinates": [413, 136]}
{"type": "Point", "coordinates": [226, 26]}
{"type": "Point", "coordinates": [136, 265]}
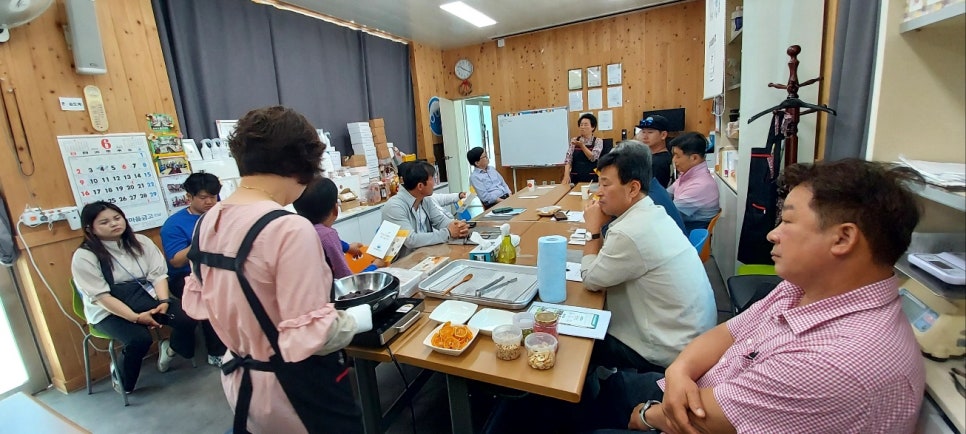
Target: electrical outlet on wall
{"type": "Point", "coordinates": [36, 216]}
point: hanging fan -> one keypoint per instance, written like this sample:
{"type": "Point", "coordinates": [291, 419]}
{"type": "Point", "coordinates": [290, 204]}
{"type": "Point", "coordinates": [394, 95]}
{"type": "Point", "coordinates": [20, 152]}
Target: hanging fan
{"type": "Point", "coordinates": [15, 13]}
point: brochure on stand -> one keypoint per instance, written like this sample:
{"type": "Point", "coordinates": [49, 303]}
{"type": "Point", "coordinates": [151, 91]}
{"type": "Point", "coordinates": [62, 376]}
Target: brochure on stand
{"type": "Point", "coordinates": [576, 321]}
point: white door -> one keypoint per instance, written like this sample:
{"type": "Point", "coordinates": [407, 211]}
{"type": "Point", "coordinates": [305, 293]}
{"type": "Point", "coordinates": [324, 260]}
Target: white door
{"type": "Point", "coordinates": [455, 144]}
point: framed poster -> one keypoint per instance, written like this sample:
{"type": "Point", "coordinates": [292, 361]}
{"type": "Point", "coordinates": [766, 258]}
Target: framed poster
{"type": "Point", "coordinates": [175, 197]}
{"type": "Point", "coordinates": [172, 165]}
{"type": "Point", "coordinates": [574, 79]}
{"type": "Point", "coordinates": [614, 74]}
{"type": "Point", "coordinates": [115, 168]}
{"type": "Point", "coordinates": [593, 76]}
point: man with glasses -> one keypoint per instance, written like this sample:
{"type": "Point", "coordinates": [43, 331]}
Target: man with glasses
{"type": "Point", "coordinates": [201, 190]}
{"type": "Point", "coordinates": [488, 183]}
{"type": "Point", "coordinates": [652, 130]}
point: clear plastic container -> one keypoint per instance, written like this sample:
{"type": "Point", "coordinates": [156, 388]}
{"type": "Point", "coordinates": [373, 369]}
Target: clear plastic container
{"type": "Point", "coordinates": [541, 350]}
{"type": "Point", "coordinates": [524, 321]}
{"type": "Point", "coordinates": [508, 340]}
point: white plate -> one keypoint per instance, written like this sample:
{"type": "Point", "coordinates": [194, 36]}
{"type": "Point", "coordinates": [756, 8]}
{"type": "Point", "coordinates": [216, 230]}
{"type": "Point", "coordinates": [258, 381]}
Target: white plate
{"type": "Point", "coordinates": [488, 319]}
{"type": "Point", "coordinates": [429, 341]}
{"type": "Point", "coordinates": [454, 311]}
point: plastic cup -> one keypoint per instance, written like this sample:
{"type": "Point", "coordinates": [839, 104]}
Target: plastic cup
{"type": "Point", "coordinates": [585, 192]}
{"type": "Point", "coordinates": [524, 321]}
{"type": "Point", "coordinates": [531, 185]}
{"type": "Point", "coordinates": [508, 340]}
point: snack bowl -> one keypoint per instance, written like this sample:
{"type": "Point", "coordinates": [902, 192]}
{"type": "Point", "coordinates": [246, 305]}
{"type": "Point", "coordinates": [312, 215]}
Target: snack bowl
{"type": "Point", "coordinates": [548, 211]}
{"type": "Point", "coordinates": [474, 332]}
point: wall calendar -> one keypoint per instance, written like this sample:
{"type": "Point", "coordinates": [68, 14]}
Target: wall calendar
{"type": "Point", "coordinates": [115, 168]}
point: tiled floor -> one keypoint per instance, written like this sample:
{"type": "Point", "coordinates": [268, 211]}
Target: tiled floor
{"type": "Point", "coordinates": [191, 400]}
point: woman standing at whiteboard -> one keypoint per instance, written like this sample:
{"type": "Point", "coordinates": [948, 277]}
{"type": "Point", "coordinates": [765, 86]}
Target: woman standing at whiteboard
{"type": "Point", "coordinates": [583, 152]}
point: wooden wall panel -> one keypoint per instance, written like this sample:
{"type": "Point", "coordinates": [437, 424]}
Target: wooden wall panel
{"type": "Point", "coordinates": [426, 66]}
{"type": "Point", "coordinates": [36, 67]}
{"type": "Point", "coordinates": [661, 51]}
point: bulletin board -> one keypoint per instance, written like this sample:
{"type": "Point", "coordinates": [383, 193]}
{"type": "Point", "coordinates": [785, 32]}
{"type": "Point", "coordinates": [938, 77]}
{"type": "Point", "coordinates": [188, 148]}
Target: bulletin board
{"type": "Point", "coordinates": [115, 168]}
{"type": "Point", "coordinates": [533, 137]}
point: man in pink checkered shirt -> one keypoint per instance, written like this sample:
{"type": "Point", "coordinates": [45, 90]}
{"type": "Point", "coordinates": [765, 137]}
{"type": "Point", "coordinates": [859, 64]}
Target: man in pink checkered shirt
{"type": "Point", "coordinates": [829, 350]}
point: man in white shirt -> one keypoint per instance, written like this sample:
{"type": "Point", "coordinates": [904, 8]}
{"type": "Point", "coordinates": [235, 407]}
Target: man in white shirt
{"type": "Point", "coordinates": [657, 289]}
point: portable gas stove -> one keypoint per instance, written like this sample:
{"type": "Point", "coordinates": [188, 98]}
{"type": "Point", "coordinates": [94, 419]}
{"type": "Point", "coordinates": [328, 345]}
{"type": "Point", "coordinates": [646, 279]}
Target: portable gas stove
{"type": "Point", "coordinates": [390, 322]}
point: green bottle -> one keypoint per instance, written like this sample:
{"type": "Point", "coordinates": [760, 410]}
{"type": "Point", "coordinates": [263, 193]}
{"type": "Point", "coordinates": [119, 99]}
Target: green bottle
{"type": "Point", "coordinates": [506, 253]}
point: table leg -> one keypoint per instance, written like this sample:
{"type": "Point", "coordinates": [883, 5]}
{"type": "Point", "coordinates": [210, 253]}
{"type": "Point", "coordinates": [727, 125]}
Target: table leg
{"type": "Point", "coordinates": [459, 405]}
{"type": "Point", "coordinates": [369, 395]}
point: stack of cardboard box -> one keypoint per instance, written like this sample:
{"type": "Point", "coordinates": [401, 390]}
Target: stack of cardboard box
{"type": "Point", "coordinates": [378, 128]}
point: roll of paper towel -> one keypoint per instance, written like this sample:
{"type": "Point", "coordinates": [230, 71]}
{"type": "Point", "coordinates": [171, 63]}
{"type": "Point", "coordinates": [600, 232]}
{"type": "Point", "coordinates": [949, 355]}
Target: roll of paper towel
{"type": "Point", "coordinates": [552, 268]}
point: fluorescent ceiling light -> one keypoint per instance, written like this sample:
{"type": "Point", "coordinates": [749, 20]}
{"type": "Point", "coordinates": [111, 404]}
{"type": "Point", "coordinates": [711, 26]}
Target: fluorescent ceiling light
{"type": "Point", "coordinates": [468, 14]}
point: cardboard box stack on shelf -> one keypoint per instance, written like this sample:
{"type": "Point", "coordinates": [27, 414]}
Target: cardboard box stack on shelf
{"type": "Point", "coordinates": [378, 128]}
{"type": "Point", "coordinates": [362, 145]}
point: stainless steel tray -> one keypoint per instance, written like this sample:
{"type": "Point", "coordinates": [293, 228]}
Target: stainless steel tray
{"type": "Point", "coordinates": [516, 295]}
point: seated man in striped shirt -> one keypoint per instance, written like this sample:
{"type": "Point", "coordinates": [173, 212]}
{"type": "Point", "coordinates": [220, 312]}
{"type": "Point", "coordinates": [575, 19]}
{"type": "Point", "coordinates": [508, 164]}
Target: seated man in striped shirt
{"type": "Point", "coordinates": [488, 183]}
{"type": "Point", "coordinates": [828, 350]}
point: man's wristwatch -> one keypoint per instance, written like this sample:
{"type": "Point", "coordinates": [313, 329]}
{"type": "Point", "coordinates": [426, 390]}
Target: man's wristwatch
{"type": "Point", "coordinates": [643, 410]}
{"type": "Point", "coordinates": [595, 236]}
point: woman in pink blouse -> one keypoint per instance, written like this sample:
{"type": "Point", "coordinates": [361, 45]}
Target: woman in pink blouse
{"type": "Point", "coordinates": [583, 153]}
{"type": "Point", "coordinates": [283, 371]}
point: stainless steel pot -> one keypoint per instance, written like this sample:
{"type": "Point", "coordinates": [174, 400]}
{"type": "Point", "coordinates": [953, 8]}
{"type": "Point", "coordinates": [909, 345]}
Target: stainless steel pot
{"type": "Point", "coordinates": [384, 287]}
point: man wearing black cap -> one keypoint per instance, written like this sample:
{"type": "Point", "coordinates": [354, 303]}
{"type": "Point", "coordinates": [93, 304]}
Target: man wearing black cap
{"type": "Point", "coordinates": [652, 130]}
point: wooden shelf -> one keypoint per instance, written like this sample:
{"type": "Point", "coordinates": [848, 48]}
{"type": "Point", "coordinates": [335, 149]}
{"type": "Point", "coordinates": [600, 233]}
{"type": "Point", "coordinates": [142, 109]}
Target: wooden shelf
{"type": "Point", "coordinates": [942, 16]}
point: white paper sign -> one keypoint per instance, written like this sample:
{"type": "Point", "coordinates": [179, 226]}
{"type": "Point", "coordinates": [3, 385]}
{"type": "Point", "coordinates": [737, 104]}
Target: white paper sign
{"type": "Point", "coordinates": [613, 74]}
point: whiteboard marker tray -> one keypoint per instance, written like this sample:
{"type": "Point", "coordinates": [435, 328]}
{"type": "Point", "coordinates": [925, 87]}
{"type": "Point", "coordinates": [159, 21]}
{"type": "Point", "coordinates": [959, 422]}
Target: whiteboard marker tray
{"type": "Point", "coordinates": [513, 295]}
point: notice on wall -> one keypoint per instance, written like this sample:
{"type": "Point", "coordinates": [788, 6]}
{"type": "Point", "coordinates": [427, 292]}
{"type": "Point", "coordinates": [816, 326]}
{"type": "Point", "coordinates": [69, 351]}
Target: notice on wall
{"type": "Point", "coordinates": [115, 168]}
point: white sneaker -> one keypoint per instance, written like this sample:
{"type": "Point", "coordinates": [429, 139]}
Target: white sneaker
{"type": "Point", "coordinates": [116, 382]}
{"type": "Point", "coordinates": [165, 355]}
{"type": "Point", "coordinates": [214, 361]}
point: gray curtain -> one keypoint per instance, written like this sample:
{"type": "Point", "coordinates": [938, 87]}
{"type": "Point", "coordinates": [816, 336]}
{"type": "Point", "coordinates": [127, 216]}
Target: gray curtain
{"type": "Point", "coordinates": [226, 57]}
{"type": "Point", "coordinates": [390, 87]}
{"type": "Point", "coordinates": [856, 31]}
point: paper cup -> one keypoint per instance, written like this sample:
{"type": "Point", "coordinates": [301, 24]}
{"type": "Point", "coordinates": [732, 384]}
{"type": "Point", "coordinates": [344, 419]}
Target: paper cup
{"type": "Point", "coordinates": [585, 192]}
{"type": "Point", "coordinates": [531, 184]}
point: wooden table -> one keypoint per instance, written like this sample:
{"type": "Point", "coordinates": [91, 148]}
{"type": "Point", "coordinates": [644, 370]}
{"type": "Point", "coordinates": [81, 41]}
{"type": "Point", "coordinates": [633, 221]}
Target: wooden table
{"type": "Point", "coordinates": [565, 381]}
{"type": "Point", "coordinates": [543, 195]}
{"type": "Point", "coordinates": [374, 419]}
{"type": "Point", "coordinates": [572, 202]}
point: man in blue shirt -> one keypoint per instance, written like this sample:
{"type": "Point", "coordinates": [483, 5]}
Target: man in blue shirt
{"type": "Point", "coordinates": [201, 190]}
{"type": "Point", "coordinates": [488, 183]}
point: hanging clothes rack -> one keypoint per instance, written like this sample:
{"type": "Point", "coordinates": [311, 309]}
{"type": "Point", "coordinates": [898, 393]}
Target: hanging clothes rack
{"type": "Point", "coordinates": [793, 106]}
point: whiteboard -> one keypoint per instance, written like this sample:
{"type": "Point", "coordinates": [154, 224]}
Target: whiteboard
{"type": "Point", "coordinates": [533, 137]}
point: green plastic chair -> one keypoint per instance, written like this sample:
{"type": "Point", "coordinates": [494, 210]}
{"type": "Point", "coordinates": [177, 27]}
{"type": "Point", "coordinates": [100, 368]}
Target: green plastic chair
{"type": "Point", "coordinates": [92, 332]}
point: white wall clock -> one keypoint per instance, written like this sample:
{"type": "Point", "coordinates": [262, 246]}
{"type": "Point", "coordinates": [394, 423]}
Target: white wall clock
{"type": "Point", "coordinates": [464, 68]}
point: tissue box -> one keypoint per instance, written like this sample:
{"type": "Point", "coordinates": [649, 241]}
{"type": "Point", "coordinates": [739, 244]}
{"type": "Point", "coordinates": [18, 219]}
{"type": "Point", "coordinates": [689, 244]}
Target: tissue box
{"type": "Point", "coordinates": [484, 253]}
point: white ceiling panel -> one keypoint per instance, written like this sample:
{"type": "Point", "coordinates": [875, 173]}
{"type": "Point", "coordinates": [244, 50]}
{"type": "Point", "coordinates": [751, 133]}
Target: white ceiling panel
{"type": "Point", "coordinates": [424, 22]}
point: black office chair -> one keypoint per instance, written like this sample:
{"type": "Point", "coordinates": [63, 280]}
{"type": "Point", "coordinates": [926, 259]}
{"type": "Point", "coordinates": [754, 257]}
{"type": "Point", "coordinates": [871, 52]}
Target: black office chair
{"type": "Point", "coordinates": [744, 290]}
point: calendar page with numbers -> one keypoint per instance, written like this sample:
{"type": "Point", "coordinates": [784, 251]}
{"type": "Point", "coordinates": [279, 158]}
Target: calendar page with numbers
{"type": "Point", "coordinates": [115, 168]}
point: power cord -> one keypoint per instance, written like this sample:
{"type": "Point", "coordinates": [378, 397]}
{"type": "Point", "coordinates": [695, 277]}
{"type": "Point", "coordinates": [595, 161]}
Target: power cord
{"type": "Point", "coordinates": [412, 411]}
{"type": "Point", "coordinates": [51, 290]}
